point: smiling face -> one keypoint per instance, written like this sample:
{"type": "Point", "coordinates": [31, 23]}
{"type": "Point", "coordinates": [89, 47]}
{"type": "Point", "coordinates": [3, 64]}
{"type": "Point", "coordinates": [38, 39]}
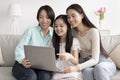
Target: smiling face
{"type": "Point", "coordinates": [74, 18]}
{"type": "Point", "coordinates": [60, 28]}
{"type": "Point", "coordinates": [44, 20]}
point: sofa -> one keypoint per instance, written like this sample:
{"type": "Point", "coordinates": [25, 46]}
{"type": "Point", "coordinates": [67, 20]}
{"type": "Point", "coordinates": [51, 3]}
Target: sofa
{"type": "Point", "coordinates": [9, 42]}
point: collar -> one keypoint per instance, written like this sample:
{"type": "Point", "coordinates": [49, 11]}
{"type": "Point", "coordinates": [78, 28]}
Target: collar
{"type": "Point", "coordinates": [50, 30]}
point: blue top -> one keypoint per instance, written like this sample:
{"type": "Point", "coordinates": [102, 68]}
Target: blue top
{"type": "Point", "coordinates": [32, 36]}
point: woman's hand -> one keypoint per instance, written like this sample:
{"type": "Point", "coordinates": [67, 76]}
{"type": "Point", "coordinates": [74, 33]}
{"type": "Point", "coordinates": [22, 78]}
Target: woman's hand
{"type": "Point", "coordinates": [65, 56]}
{"type": "Point", "coordinates": [70, 69]}
{"type": "Point", "coordinates": [26, 63]}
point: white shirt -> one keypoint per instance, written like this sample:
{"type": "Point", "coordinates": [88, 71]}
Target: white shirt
{"type": "Point", "coordinates": [62, 64]}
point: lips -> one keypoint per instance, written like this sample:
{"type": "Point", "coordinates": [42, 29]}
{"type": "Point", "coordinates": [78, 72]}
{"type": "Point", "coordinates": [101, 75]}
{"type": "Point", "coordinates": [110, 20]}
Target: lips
{"type": "Point", "coordinates": [44, 24]}
{"type": "Point", "coordinates": [59, 31]}
{"type": "Point", "coordinates": [71, 23]}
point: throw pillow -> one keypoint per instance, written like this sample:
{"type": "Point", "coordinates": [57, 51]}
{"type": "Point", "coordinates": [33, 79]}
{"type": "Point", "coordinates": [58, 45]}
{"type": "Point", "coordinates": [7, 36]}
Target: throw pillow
{"type": "Point", "coordinates": [115, 56]}
{"type": "Point", "coordinates": [1, 59]}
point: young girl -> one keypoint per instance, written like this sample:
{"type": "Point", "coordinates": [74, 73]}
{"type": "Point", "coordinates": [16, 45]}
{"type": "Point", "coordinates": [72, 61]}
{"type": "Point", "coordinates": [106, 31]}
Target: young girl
{"type": "Point", "coordinates": [66, 49]}
{"type": "Point", "coordinates": [96, 62]}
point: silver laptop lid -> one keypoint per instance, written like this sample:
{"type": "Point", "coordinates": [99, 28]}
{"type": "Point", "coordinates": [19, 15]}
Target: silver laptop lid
{"type": "Point", "coordinates": [41, 57]}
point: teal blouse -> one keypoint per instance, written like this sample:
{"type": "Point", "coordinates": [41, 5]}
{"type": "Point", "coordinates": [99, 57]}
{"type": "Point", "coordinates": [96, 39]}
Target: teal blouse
{"type": "Point", "coordinates": [32, 36]}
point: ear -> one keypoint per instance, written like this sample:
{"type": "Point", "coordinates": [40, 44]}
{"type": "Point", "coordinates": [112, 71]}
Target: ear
{"type": "Point", "coordinates": [82, 15]}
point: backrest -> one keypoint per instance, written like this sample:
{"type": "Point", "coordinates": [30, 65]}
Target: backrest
{"type": "Point", "coordinates": [110, 42]}
{"type": "Point", "coordinates": [8, 44]}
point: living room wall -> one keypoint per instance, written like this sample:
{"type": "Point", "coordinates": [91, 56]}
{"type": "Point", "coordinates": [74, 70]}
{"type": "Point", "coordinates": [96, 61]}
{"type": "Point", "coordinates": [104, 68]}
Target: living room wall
{"type": "Point", "coordinates": [30, 7]}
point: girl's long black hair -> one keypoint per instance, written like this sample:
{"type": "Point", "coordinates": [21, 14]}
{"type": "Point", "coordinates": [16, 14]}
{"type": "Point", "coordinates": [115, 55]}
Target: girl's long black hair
{"type": "Point", "coordinates": [87, 22]}
{"type": "Point", "coordinates": [69, 37]}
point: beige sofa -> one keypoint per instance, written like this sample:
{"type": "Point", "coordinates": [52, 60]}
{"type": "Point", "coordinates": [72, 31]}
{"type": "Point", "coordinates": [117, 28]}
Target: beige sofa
{"type": "Point", "coordinates": [9, 42]}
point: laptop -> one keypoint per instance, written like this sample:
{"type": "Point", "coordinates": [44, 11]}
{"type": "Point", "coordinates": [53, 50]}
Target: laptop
{"type": "Point", "coordinates": [41, 57]}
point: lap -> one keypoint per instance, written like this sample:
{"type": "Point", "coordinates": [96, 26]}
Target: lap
{"type": "Point", "coordinates": [20, 72]}
{"type": "Point", "coordinates": [67, 76]}
{"type": "Point", "coordinates": [20, 68]}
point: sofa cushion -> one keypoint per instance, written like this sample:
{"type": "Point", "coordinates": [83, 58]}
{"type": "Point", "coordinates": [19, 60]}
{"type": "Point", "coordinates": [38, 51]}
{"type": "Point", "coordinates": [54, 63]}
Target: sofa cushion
{"type": "Point", "coordinates": [116, 76]}
{"type": "Point", "coordinates": [110, 42]}
{"type": "Point", "coordinates": [6, 73]}
{"type": "Point", "coordinates": [115, 56]}
{"type": "Point", "coordinates": [1, 58]}
{"type": "Point", "coordinates": [8, 44]}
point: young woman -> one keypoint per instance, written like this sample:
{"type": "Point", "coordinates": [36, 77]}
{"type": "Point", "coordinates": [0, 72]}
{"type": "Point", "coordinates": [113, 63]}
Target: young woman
{"type": "Point", "coordinates": [66, 49]}
{"type": "Point", "coordinates": [96, 64]}
{"type": "Point", "coordinates": [39, 35]}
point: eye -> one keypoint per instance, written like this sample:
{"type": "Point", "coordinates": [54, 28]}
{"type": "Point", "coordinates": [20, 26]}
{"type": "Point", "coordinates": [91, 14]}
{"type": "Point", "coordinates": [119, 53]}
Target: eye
{"type": "Point", "coordinates": [73, 15]}
{"type": "Point", "coordinates": [40, 16]}
{"type": "Point", "coordinates": [61, 26]}
{"type": "Point", "coordinates": [68, 17]}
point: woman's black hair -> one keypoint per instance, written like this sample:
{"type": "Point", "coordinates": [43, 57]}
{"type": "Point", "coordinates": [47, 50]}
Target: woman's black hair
{"type": "Point", "coordinates": [49, 11]}
{"type": "Point", "coordinates": [69, 37]}
{"type": "Point", "coordinates": [86, 22]}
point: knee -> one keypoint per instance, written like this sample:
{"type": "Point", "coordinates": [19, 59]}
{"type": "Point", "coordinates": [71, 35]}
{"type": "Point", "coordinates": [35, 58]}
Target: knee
{"type": "Point", "coordinates": [99, 68]}
{"type": "Point", "coordinates": [100, 73]}
{"type": "Point", "coordinates": [88, 74]}
{"type": "Point", "coordinates": [87, 71]}
{"type": "Point", "coordinates": [44, 75]}
{"type": "Point", "coordinates": [31, 76]}
{"type": "Point", "coordinates": [21, 73]}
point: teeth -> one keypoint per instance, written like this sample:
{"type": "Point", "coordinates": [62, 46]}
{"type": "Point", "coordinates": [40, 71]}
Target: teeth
{"type": "Point", "coordinates": [59, 31]}
{"type": "Point", "coordinates": [44, 24]}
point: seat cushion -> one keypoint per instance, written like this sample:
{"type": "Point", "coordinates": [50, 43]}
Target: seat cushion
{"type": "Point", "coordinates": [6, 74]}
{"type": "Point", "coordinates": [116, 76]}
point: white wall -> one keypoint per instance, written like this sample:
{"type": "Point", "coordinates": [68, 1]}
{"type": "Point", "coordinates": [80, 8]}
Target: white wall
{"type": "Point", "coordinates": [30, 7]}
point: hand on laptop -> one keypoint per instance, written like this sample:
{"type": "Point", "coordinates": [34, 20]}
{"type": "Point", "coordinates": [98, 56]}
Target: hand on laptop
{"type": "Point", "coordinates": [26, 63]}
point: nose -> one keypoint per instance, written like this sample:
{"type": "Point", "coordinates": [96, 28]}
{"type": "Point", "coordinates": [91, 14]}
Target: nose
{"type": "Point", "coordinates": [58, 28]}
{"type": "Point", "coordinates": [70, 19]}
{"type": "Point", "coordinates": [44, 20]}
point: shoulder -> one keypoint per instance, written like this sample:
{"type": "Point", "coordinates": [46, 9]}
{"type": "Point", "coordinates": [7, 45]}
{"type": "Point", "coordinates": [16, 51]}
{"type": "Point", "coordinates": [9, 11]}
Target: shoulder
{"type": "Point", "coordinates": [94, 33]}
{"type": "Point", "coordinates": [76, 44]}
{"type": "Point", "coordinates": [30, 30]}
{"type": "Point", "coordinates": [94, 30]}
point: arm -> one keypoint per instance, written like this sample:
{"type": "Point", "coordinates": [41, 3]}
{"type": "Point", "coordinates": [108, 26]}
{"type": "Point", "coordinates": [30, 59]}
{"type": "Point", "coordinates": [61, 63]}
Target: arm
{"type": "Point", "coordinates": [73, 58]}
{"type": "Point", "coordinates": [75, 51]}
{"type": "Point", "coordinates": [19, 51]}
{"type": "Point", "coordinates": [95, 43]}
{"type": "Point", "coordinates": [69, 57]}
{"type": "Point", "coordinates": [95, 50]}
